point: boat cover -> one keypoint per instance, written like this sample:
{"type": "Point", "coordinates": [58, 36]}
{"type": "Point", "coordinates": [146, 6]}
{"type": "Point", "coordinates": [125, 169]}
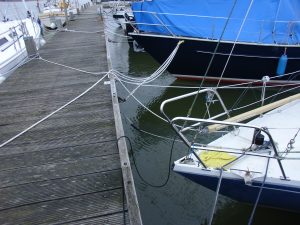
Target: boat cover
{"type": "Point", "coordinates": [268, 21]}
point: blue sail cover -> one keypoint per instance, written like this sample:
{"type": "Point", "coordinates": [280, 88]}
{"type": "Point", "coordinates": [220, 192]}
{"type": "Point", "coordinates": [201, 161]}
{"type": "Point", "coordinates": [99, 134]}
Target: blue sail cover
{"type": "Point", "coordinates": [268, 21]}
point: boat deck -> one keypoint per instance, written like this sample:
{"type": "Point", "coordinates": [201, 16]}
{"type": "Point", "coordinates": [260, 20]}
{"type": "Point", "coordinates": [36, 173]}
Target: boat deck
{"type": "Point", "coordinates": [65, 170]}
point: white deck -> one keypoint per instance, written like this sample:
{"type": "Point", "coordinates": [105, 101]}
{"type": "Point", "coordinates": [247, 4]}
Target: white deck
{"type": "Point", "coordinates": [283, 124]}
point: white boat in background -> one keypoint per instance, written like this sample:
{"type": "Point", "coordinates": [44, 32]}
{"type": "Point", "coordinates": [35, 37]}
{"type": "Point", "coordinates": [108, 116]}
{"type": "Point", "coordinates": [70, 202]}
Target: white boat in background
{"type": "Point", "coordinates": [53, 15]}
{"type": "Point", "coordinates": [12, 46]}
{"type": "Point", "coordinates": [254, 162]}
{"type": "Point", "coordinates": [122, 14]}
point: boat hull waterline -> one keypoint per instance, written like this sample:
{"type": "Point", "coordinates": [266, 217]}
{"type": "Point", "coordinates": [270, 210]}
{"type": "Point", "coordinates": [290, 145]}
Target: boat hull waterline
{"type": "Point", "coordinates": [281, 196]}
{"type": "Point", "coordinates": [247, 61]}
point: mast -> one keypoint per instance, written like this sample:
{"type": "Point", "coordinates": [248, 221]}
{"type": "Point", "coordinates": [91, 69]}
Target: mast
{"type": "Point", "coordinates": [65, 10]}
{"type": "Point", "coordinates": [24, 3]}
{"type": "Point", "coordinates": [38, 5]}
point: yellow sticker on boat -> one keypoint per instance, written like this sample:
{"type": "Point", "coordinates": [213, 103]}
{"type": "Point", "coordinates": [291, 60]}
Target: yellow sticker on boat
{"type": "Point", "coordinates": [216, 159]}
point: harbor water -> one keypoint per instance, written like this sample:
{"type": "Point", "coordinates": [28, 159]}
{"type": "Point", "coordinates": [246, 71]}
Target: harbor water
{"type": "Point", "coordinates": [170, 199]}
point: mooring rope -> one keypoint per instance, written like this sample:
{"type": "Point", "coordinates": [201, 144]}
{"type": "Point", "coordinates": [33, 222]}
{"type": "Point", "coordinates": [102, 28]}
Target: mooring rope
{"type": "Point", "coordinates": [153, 76]}
{"type": "Point", "coordinates": [147, 132]}
{"type": "Point", "coordinates": [54, 112]}
{"type": "Point", "coordinates": [141, 104]}
{"type": "Point", "coordinates": [79, 31]}
{"type": "Point", "coordinates": [73, 68]}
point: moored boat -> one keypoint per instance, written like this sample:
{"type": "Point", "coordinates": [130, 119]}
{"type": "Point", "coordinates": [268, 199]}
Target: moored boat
{"type": "Point", "coordinates": [235, 40]}
{"type": "Point", "coordinates": [253, 162]}
{"type": "Point", "coordinates": [12, 46]}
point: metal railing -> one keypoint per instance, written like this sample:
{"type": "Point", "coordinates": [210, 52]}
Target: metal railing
{"type": "Point", "coordinates": [289, 37]}
{"type": "Point", "coordinates": [15, 36]}
{"type": "Point", "coordinates": [203, 128]}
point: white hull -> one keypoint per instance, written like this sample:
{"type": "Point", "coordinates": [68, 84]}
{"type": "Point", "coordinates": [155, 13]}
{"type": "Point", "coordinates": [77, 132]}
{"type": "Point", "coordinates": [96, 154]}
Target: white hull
{"type": "Point", "coordinates": [260, 154]}
{"type": "Point", "coordinates": [13, 51]}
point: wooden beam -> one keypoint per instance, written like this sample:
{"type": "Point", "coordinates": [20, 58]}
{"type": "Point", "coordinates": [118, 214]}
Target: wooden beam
{"type": "Point", "coordinates": [253, 113]}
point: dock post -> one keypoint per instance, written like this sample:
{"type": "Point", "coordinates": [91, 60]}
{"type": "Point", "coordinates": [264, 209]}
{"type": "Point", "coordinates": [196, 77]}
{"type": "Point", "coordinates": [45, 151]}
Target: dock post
{"type": "Point", "coordinates": [72, 18]}
{"type": "Point", "coordinates": [65, 10]}
{"type": "Point", "coordinates": [58, 23]}
{"type": "Point", "coordinates": [30, 46]}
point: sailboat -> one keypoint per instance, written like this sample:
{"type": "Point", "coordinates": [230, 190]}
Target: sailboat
{"type": "Point", "coordinates": [123, 16]}
{"type": "Point", "coordinates": [259, 42]}
{"type": "Point", "coordinates": [255, 161]}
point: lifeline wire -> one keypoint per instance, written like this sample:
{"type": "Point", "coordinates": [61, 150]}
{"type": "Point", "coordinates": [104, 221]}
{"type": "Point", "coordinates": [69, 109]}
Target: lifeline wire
{"type": "Point", "coordinates": [51, 114]}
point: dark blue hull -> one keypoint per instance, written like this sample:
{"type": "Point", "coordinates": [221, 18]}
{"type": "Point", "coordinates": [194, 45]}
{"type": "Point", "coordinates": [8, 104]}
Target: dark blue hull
{"type": "Point", "coordinates": [248, 61]}
{"type": "Point", "coordinates": [283, 197]}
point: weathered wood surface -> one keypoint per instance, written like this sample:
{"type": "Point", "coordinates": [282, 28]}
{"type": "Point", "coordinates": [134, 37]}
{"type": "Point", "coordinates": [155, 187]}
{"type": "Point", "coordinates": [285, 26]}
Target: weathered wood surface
{"type": "Point", "coordinates": [67, 169]}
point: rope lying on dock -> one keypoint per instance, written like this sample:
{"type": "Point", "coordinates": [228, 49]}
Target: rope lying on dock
{"type": "Point", "coordinates": [79, 31]}
{"type": "Point", "coordinates": [54, 112]}
{"type": "Point", "coordinates": [73, 68]}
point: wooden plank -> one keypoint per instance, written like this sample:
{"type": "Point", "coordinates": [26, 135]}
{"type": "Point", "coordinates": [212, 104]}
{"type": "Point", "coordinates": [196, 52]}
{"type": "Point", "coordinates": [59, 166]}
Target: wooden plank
{"type": "Point", "coordinates": [115, 219]}
{"type": "Point", "coordinates": [55, 155]}
{"type": "Point", "coordinates": [51, 190]}
{"type": "Point", "coordinates": [20, 146]}
{"type": "Point", "coordinates": [58, 170]}
{"type": "Point", "coordinates": [252, 113]}
{"type": "Point", "coordinates": [65, 210]}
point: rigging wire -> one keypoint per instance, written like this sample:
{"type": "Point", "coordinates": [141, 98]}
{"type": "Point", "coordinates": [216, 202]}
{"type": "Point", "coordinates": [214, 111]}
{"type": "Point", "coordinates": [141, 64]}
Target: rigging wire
{"type": "Point", "coordinates": [234, 44]}
{"type": "Point", "coordinates": [211, 60]}
{"type": "Point", "coordinates": [224, 69]}
{"type": "Point", "coordinates": [250, 221]}
{"type": "Point", "coordinates": [232, 86]}
{"type": "Point", "coordinates": [216, 197]}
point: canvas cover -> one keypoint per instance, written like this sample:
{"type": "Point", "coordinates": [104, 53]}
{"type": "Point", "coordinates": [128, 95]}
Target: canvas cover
{"type": "Point", "coordinates": [268, 21]}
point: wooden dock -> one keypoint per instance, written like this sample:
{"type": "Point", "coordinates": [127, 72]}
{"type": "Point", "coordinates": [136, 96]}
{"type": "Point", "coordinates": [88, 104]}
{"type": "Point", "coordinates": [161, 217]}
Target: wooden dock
{"type": "Point", "coordinates": [66, 169]}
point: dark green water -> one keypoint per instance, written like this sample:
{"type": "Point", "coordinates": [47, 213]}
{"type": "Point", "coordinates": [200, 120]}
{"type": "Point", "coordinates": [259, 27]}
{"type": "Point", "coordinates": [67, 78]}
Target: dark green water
{"type": "Point", "coordinates": [180, 201]}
